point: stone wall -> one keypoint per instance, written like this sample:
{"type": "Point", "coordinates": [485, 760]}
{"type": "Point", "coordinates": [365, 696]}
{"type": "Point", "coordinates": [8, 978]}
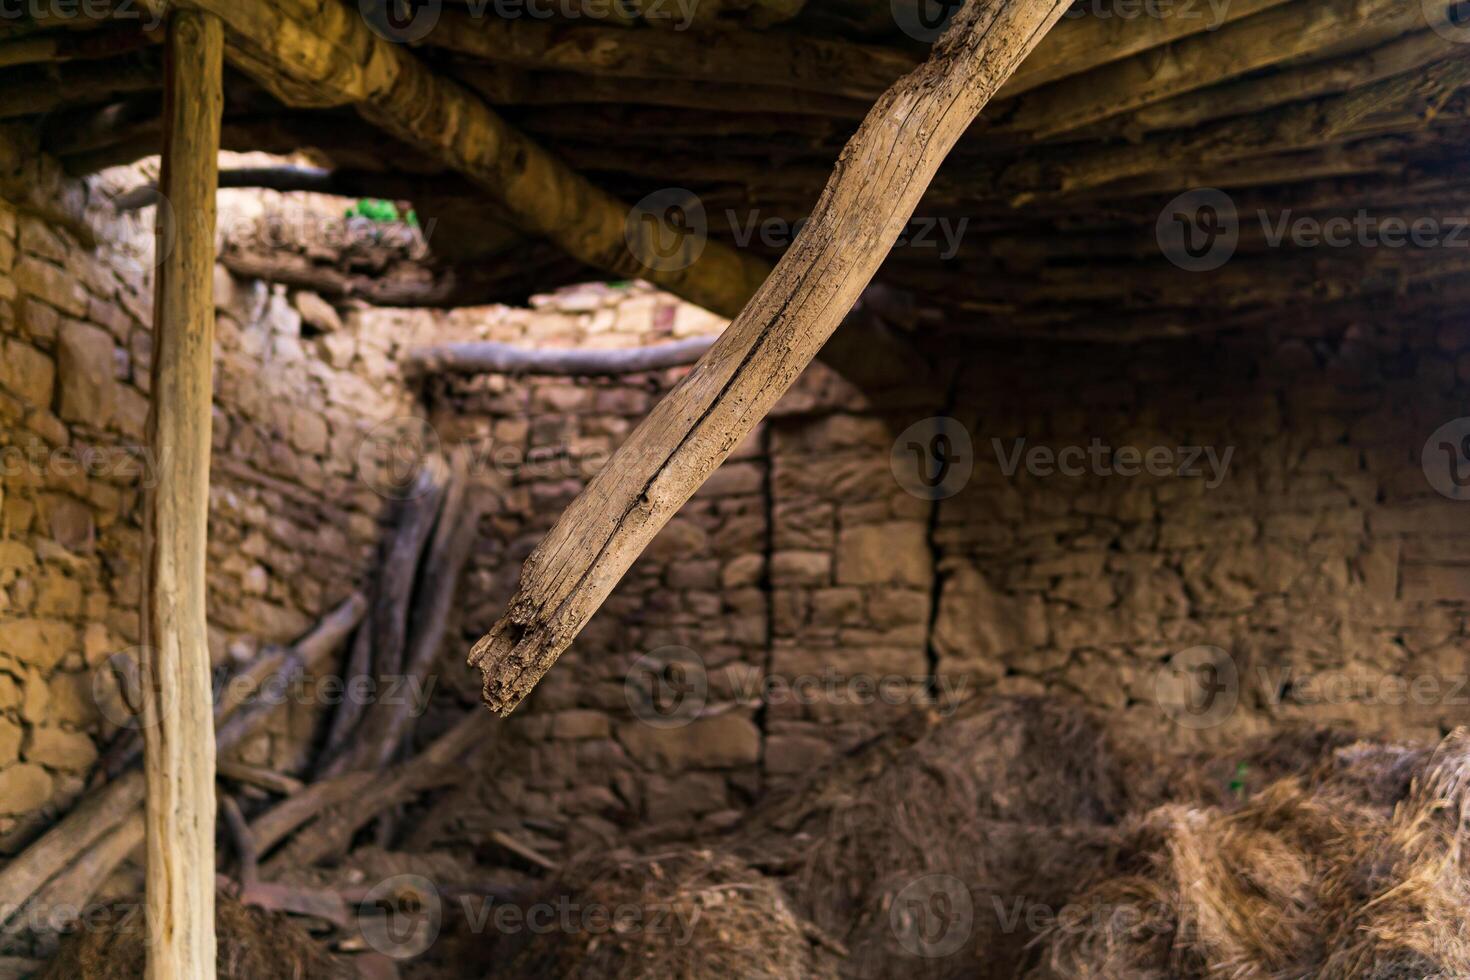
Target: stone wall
{"type": "Point", "coordinates": [1303, 567]}
{"type": "Point", "coordinates": [293, 529]}
{"type": "Point", "coordinates": [1322, 565]}
{"type": "Point", "coordinates": [1244, 536]}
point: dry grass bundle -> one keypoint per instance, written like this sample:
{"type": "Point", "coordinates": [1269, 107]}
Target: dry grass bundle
{"type": "Point", "coordinates": [1355, 869]}
{"type": "Point", "coordinates": [1400, 908]}
{"type": "Point", "coordinates": [253, 944]}
{"type": "Point", "coordinates": [1078, 852]}
{"type": "Point", "coordinates": [1012, 797]}
{"type": "Point", "coordinates": [681, 915]}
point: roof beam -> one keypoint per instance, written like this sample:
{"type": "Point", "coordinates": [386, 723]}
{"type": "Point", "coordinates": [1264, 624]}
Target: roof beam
{"type": "Point", "coordinates": [1299, 126]}
{"type": "Point", "coordinates": [1276, 37]}
{"type": "Point", "coordinates": [804, 64]}
{"type": "Point", "coordinates": [879, 179]}
{"type": "Point", "coordinates": [321, 54]}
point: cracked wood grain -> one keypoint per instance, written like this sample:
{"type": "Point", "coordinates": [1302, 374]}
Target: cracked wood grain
{"type": "Point", "coordinates": [878, 181]}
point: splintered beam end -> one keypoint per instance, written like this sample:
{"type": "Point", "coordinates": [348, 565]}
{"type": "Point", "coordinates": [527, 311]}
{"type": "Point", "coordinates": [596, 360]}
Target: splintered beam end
{"type": "Point", "coordinates": [513, 658]}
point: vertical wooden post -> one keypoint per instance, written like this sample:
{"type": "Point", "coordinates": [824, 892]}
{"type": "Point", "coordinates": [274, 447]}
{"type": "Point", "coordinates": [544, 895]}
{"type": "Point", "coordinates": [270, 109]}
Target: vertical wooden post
{"type": "Point", "coordinates": [178, 718]}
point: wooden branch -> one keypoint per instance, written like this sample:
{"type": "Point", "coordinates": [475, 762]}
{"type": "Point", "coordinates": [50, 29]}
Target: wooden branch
{"type": "Point", "coordinates": [100, 813]}
{"type": "Point", "coordinates": [879, 179]}
{"type": "Point", "coordinates": [523, 851]}
{"type": "Point", "coordinates": [1083, 43]}
{"type": "Point", "coordinates": [348, 714]}
{"type": "Point", "coordinates": [261, 778]}
{"type": "Point", "coordinates": [244, 842]}
{"type": "Point", "coordinates": [489, 357]}
{"type": "Point", "coordinates": [75, 85]}
{"type": "Point", "coordinates": [178, 734]}
{"type": "Point", "coordinates": [73, 888]}
{"type": "Point", "coordinates": [462, 285]}
{"type": "Point", "coordinates": [331, 830]}
{"type": "Point", "coordinates": [389, 724]}
{"type": "Point", "coordinates": [315, 179]}
{"type": "Point", "coordinates": [832, 67]}
{"type": "Point", "coordinates": [273, 826]}
{"type": "Point", "coordinates": [393, 592]}
{"type": "Point", "coordinates": [56, 48]}
{"type": "Point", "coordinates": [107, 807]}
{"type": "Point", "coordinates": [503, 85]}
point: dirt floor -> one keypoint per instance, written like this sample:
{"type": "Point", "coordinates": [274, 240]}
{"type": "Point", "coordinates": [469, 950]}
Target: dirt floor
{"type": "Point", "coordinates": [1019, 838]}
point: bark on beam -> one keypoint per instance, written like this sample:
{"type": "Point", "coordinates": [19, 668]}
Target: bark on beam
{"type": "Point", "coordinates": [319, 54]}
{"type": "Point", "coordinates": [882, 174]}
{"type": "Point", "coordinates": [178, 703]}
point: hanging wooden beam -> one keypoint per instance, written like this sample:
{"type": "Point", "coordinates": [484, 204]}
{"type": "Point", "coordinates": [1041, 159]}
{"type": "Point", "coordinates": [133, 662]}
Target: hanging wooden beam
{"type": "Point", "coordinates": [178, 711]}
{"type": "Point", "coordinates": [879, 179]}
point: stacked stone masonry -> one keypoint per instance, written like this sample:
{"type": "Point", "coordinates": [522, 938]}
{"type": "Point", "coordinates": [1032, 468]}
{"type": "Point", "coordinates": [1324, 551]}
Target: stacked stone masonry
{"type": "Point", "coordinates": [800, 601]}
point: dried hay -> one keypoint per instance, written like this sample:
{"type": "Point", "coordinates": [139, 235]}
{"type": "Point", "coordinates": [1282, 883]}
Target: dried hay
{"type": "Point", "coordinates": [1078, 852]}
{"type": "Point", "coordinates": [1011, 797]}
{"type": "Point", "coordinates": [681, 915]}
{"type": "Point", "coordinates": [253, 944]}
{"type": "Point", "coordinates": [1354, 870]}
